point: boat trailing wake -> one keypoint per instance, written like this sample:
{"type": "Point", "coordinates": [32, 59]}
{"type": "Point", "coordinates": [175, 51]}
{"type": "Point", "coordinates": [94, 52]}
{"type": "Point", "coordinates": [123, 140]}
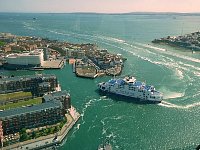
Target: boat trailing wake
{"type": "Point", "coordinates": [171, 105]}
{"type": "Point", "coordinates": [86, 106]}
{"type": "Point", "coordinates": [28, 26]}
{"type": "Point", "coordinates": [171, 95]}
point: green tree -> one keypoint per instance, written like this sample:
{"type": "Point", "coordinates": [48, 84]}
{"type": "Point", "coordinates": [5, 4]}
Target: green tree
{"type": "Point", "coordinates": [5, 143]}
{"type": "Point", "coordinates": [34, 135]}
{"type": "Point", "coordinates": [23, 137]}
{"type": "Point", "coordinates": [23, 130]}
{"type": "Point", "coordinates": [2, 43]}
{"type": "Point", "coordinates": [52, 130]}
{"type": "Point", "coordinates": [57, 128]}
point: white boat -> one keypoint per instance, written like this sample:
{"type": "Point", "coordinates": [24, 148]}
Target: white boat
{"type": "Point", "coordinates": [132, 89]}
{"type": "Point", "coordinates": [105, 146]}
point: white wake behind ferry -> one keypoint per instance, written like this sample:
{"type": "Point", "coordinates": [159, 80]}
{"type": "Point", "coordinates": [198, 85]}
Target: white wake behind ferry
{"type": "Point", "coordinates": [131, 88]}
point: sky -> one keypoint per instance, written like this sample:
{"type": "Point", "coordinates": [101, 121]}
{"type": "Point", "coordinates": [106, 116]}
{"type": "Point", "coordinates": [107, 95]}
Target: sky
{"type": "Point", "coordinates": [99, 6]}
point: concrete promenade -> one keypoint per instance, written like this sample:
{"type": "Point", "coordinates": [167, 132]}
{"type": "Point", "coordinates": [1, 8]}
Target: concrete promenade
{"type": "Point", "coordinates": [49, 140]}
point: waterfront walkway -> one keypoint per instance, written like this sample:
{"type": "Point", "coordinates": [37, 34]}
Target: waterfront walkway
{"type": "Point", "coordinates": [49, 140]}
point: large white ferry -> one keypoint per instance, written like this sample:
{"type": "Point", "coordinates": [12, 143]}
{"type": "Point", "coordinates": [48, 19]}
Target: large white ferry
{"type": "Point", "coordinates": [133, 89]}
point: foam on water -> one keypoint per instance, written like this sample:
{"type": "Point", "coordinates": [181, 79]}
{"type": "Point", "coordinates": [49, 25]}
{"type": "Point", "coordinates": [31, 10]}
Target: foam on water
{"type": "Point", "coordinates": [175, 54]}
{"type": "Point", "coordinates": [28, 26]}
{"type": "Point", "coordinates": [108, 106]}
{"type": "Point", "coordinates": [171, 105]}
{"type": "Point", "coordinates": [86, 106]}
{"type": "Point", "coordinates": [197, 74]}
{"type": "Point", "coordinates": [169, 94]}
{"type": "Point", "coordinates": [168, 62]}
{"type": "Point", "coordinates": [197, 94]}
{"type": "Point", "coordinates": [103, 97]}
{"type": "Point", "coordinates": [172, 95]}
{"type": "Point", "coordinates": [179, 73]}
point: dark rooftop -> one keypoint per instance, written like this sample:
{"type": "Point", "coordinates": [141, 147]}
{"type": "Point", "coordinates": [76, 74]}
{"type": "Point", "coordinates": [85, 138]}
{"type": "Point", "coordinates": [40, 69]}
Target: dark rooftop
{"type": "Point", "coordinates": [55, 95]}
{"type": "Point", "coordinates": [23, 110]}
{"type": "Point", "coordinates": [20, 78]}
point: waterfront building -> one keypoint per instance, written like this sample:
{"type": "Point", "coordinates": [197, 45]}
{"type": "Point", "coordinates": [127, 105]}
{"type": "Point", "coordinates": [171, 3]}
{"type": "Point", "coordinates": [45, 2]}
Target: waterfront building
{"type": "Point", "coordinates": [51, 111]}
{"type": "Point", "coordinates": [37, 84]}
{"type": "Point", "coordinates": [62, 96]}
{"type": "Point", "coordinates": [13, 120]}
{"type": "Point", "coordinates": [6, 49]}
{"type": "Point", "coordinates": [25, 60]}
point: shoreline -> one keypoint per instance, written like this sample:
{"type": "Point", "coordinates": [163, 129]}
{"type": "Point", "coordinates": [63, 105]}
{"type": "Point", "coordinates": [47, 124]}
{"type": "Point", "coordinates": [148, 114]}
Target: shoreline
{"type": "Point", "coordinates": [87, 72]}
{"type": "Point", "coordinates": [189, 41]}
{"type": "Point", "coordinates": [49, 140]}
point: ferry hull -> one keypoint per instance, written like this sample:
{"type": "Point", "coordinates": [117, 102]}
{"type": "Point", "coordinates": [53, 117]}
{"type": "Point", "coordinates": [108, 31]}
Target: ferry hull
{"type": "Point", "coordinates": [119, 97]}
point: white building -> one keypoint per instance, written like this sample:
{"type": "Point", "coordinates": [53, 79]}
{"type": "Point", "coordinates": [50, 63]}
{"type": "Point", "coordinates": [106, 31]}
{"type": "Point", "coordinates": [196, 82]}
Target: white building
{"type": "Point", "coordinates": [35, 57]}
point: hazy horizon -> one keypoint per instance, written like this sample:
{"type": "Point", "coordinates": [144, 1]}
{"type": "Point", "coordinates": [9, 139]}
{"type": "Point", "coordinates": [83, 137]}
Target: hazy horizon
{"type": "Point", "coordinates": [103, 12]}
{"type": "Point", "coordinates": [96, 6]}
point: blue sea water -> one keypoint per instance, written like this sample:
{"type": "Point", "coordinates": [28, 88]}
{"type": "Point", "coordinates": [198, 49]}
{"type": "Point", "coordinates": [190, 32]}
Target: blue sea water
{"type": "Point", "coordinates": [173, 124]}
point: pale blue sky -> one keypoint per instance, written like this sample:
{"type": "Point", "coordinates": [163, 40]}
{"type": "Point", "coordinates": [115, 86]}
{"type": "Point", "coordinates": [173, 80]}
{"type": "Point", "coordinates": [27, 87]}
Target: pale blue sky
{"type": "Point", "coordinates": [102, 6]}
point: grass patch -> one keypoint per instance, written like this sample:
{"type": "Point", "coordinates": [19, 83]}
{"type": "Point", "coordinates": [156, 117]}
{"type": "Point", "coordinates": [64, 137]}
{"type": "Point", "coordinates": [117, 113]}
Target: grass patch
{"type": "Point", "coordinates": [34, 101]}
{"type": "Point", "coordinates": [2, 43]}
{"type": "Point", "coordinates": [16, 95]}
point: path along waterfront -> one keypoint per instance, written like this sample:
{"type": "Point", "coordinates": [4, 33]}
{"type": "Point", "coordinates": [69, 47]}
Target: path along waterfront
{"type": "Point", "coordinates": [49, 140]}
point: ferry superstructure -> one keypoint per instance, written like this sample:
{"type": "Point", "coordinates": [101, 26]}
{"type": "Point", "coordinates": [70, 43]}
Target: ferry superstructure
{"type": "Point", "coordinates": [131, 88]}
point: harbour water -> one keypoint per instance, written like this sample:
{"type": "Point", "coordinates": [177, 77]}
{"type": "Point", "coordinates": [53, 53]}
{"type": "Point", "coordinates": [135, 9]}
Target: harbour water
{"type": "Point", "coordinates": [173, 124]}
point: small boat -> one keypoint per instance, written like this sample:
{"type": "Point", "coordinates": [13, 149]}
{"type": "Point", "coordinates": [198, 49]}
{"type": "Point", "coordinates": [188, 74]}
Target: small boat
{"type": "Point", "coordinates": [105, 146]}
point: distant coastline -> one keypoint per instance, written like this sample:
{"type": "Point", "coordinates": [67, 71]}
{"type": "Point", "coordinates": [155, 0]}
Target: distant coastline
{"type": "Point", "coordinates": [189, 41]}
{"type": "Point", "coordinates": [104, 13]}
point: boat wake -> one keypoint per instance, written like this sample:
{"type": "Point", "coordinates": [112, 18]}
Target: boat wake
{"type": "Point", "coordinates": [172, 95]}
{"type": "Point", "coordinates": [86, 106]}
{"type": "Point", "coordinates": [28, 26]}
{"type": "Point", "coordinates": [170, 53]}
{"type": "Point", "coordinates": [171, 105]}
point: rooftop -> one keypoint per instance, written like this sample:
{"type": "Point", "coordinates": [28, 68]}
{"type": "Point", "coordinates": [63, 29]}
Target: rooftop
{"type": "Point", "coordinates": [20, 78]}
{"type": "Point", "coordinates": [35, 108]}
{"type": "Point", "coordinates": [54, 95]}
{"type": "Point", "coordinates": [35, 52]}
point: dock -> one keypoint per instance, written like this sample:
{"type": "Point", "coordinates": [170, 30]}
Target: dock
{"type": "Point", "coordinates": [52, 64]}
{"type": "Point", "coordinates": [86, 73]}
